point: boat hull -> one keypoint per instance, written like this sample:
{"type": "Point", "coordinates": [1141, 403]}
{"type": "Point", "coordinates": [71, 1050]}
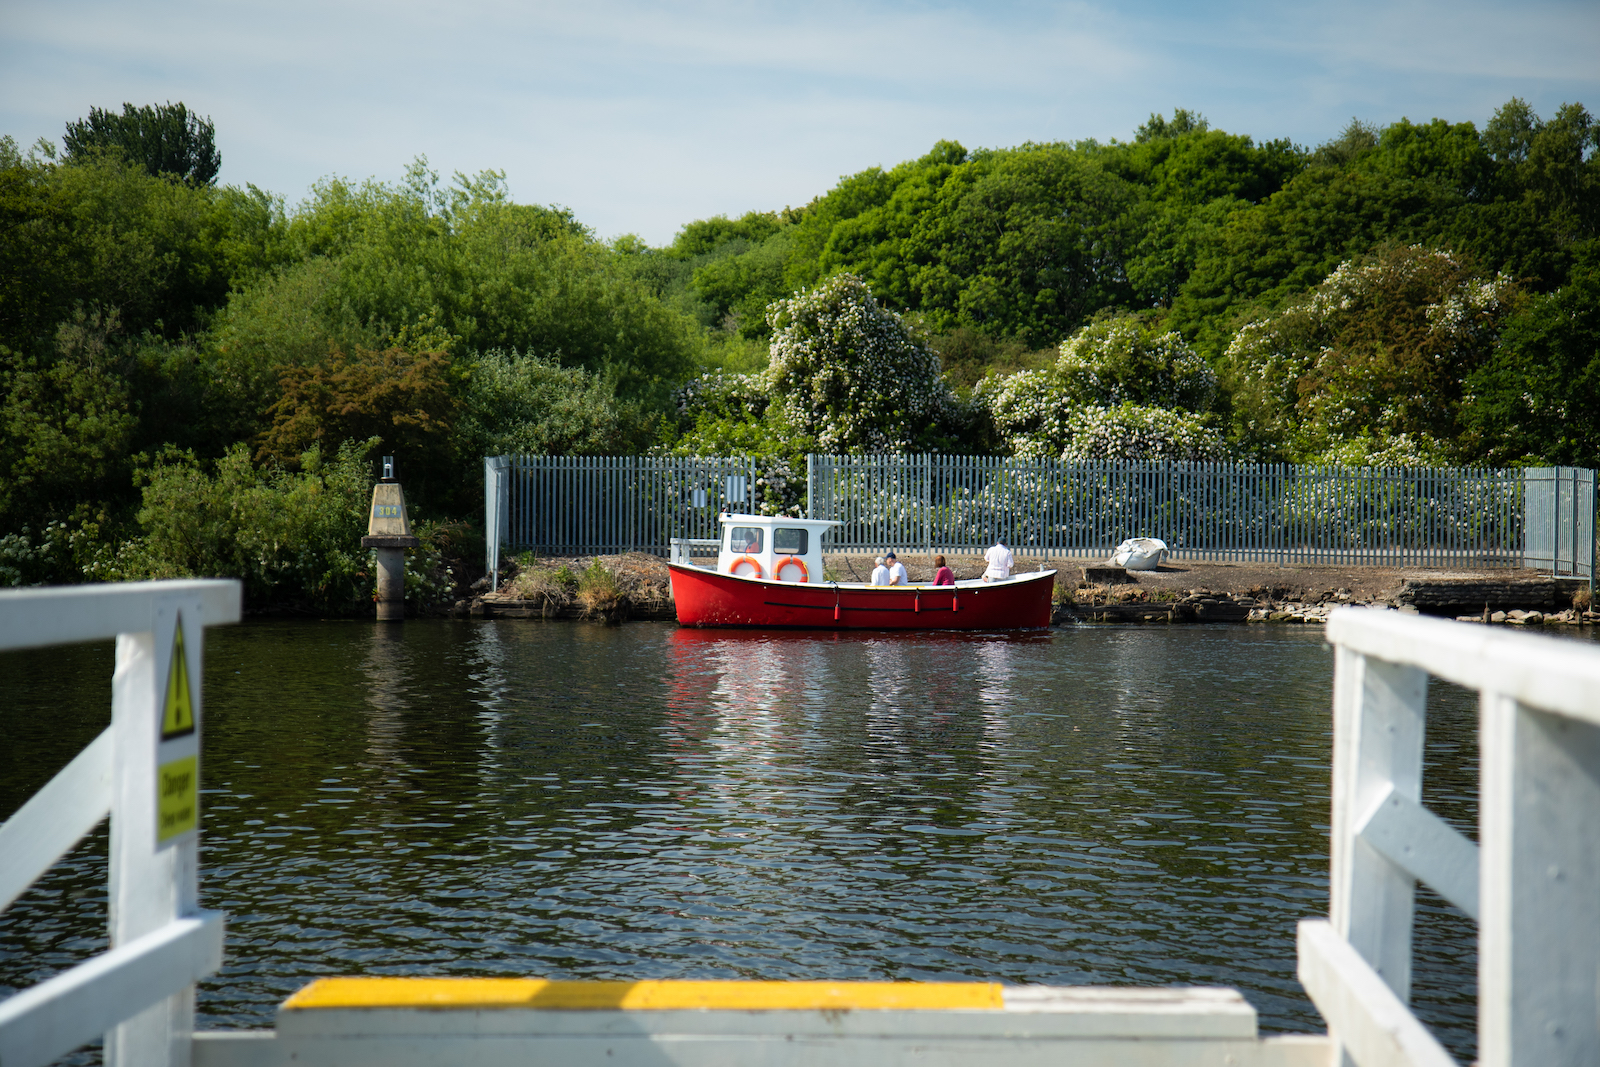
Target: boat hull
{"type": "Point", "coordinates": [708, 599]}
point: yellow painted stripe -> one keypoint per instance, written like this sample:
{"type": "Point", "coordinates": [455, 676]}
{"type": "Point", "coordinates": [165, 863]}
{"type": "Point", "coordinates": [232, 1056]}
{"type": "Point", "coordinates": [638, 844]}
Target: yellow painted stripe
{"type": "Point", "coordinates": [480, 993]}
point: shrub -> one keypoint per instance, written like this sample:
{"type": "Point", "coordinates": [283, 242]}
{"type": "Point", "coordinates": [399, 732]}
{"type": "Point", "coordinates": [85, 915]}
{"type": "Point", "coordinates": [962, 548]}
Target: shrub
{"type": "Point", "coordinates": [58, 554]}
{"type": "Point", "coordinates": [1132, 431]}
{"type": "Point", "coordinates": [850, 374]}
{"type": "Point", "coordinates": [1379, 350]}
{"type": "Point", "coordinates": [526, 405]}
{"type": "Point", "coordinates": [598, 591]}
{"type": "Point", "coordinates": [1120, 360]}
{"type": "Point", "coordinates": [1119, 391]}
{"type": "Point", "coordinates": [292, 537]}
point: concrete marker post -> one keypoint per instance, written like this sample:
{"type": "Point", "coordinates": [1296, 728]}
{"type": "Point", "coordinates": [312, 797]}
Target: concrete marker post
{"type": "Point", "coordinates": [389, 531]}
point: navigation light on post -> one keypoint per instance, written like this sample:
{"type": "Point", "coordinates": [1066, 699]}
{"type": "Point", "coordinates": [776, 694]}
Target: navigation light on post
{"type": "Point", "coordinates": [389, 531]}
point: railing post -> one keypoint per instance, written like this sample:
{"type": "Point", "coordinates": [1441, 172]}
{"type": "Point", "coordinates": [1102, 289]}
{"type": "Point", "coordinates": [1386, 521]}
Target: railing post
{"type": "Point", "coordinates": [1379, 714]}
{"type": "Point", "coordinates": [811, 485]}
{"type": "Point", "coordinates": [154, 866]}
{"type": "Point", "coordinates": [1539, 927]}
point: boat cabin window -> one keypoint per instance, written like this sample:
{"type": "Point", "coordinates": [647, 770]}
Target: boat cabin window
{"type": "Point", "coordinates": [744, 539]}
{"type": "Point", "coordinates": [787, 542]}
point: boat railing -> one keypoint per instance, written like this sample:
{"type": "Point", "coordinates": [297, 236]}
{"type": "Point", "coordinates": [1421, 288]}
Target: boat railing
{"type": "Point", "coordinates": [1532, 879]}
{"type": "Point", "coordinates": [142, 771]}
{"type": "Point", "coordinates": [681, 549]}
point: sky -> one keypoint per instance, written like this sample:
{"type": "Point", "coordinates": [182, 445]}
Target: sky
{"type": "Point", "coordinates": [641, 117]}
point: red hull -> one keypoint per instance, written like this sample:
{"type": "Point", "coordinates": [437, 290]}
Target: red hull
{"type": "Point", "coordinates": [706, 598]}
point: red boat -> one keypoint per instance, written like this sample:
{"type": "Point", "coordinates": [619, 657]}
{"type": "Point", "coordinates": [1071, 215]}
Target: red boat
{"type": "Point", "coordinates": [768, 571]}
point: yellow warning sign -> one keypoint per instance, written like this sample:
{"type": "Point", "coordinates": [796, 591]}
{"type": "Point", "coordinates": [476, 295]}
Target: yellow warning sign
{"type": "Point", "coordinates": [177, 798]}
{"type": "Point", "coordinates": [177, 716]}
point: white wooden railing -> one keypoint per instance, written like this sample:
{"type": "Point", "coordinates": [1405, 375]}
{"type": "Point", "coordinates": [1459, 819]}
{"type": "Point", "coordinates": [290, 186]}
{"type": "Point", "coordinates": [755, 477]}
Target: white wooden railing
{"type": "Point", "coordinates": [1533, 880]}
{"type": "Point", "coordinates": [143, 771]}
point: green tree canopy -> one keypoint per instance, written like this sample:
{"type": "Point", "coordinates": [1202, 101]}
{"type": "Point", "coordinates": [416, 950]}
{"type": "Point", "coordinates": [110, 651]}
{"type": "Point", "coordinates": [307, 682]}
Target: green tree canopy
{"type": "Point", "coordinates": [1538, 397]}
{"type": "Point", "coordinates": [849, 373]}
{"type": "Point", "coordinates": [167, 140]}
{"type": "Point", "coordinates": [1378, 352]}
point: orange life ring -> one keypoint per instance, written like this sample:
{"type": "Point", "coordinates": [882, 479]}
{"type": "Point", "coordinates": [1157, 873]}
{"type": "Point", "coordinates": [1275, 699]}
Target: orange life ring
{"type": "Point", "coordinates": [805, 572]}
{"type": "Point", "coordinates": [746, 558]}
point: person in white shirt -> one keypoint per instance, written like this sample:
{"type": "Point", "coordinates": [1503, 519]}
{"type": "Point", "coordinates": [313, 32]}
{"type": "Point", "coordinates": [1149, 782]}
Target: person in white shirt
{"type": "Point", "coordinates": [880, 573]}
{"type": "Point", "coordinates": [1000, 563]}
{"type": "Point", "coordinates": [897, 570]}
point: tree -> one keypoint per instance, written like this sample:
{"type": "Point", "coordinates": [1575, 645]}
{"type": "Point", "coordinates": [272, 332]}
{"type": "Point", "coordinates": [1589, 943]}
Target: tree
{"type": "Point", "coordinates": [168, 140]}
{"type": "Point", "coordinates": [1538, 398]}
{"type": "Point", "coordinates": [395, 398]}
{"type": "Point", "coordinates": [1380, 351]}
{"type": "Point", "coordinates": [522, 404]}
{"type": "Point", "coordinates": [66, 424]}
{"type": "Point", "coordinates": [1120, 390]}
{"type": "Point", "coordinates": [851, 374]}
{"type": "Point", "coordinates": [377, 259]}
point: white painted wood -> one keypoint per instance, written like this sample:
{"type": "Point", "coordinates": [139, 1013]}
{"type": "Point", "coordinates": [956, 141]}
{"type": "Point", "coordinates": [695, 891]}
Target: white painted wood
{"type": "Point", "coordinates": [1418, 841]}
{"type": "Point", "coordinates": [1366, 1018]}
{"type": "Point", "coordinates": [238, 1048]}
{"type": "Point", "coordinates": [1539, 935]}
{"type": "Point", "coordinates": [695, 1048]}
{"type": "Point", "coordinates": [1120, 1011]}
{"type": "Point", "coordinates": [1559, 676]}
{"type": "Point", "coordinates": [1086, 1012]}
{"type": "Point", "coordinates": [1379, 715]}
{"type": "Point", "coordinates": [55, 819]}
{"type": "Point", "coordinates": [54, 1017]}
{"type": "Point", "coordinates": [150, 885]}
{"type": "Point", "coordinates": [152, 882]}
{"type": "Point", "coordinates": [1095, 1026]}
{"type": "Point", "coordinates": [60, 615]}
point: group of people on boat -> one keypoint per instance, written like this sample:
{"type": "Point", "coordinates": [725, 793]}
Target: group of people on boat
{"type": "Point", "coordinates": [997, 558]}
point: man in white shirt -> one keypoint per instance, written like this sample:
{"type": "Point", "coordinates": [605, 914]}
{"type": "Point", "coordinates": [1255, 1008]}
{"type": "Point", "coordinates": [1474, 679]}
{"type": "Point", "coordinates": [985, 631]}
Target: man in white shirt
{"type": "Point", "coordinates": [897, 570]}
{"type": "Point", "coordinates": [1000, 563]}
{"type": "Point", "coordinates": [880, 573]}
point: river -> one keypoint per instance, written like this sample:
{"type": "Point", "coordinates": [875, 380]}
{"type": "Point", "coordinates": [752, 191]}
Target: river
{"type": "Point", "coordinates": [1143, 805]}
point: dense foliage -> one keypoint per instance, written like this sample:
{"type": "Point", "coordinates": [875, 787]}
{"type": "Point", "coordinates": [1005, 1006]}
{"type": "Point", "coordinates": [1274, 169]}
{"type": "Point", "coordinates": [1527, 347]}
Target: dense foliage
{"type": "Point", "coordinates": [1422, 292]}
{"type": "Point", "coordinates": [1119, 390]}
{"type": "Point", "coordinates": [167, 139]}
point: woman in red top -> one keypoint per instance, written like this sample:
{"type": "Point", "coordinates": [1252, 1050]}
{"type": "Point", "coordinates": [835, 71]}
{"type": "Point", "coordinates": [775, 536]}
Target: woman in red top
{"type": "Point", "coordinates": [943, 575]}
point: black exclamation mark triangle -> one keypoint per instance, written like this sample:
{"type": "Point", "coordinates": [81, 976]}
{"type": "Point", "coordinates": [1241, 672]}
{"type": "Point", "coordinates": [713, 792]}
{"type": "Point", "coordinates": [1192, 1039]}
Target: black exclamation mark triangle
{"type": "Point", "coordinates": [177, 716]}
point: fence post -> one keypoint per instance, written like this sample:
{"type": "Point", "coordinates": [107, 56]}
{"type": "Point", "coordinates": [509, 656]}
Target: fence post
{"type": "Point", "coordinates": [495, 506]}
{"type": "Point", "coordinates": [154, 863]}
{"type": "Point", "coordinates": [1539, 927]}
{"type": "Point", "coordinates": [1379, 712]}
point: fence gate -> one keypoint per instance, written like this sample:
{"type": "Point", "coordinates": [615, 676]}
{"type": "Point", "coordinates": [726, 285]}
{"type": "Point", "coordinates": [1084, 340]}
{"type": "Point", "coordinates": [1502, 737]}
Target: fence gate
{"type": "Point", "coordinates": [1559, 509]}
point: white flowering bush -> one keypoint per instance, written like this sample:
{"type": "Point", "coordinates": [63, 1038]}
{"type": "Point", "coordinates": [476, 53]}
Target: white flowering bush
{"type": "Point", "coordinates": [58, 553]}
{"type": "Point", "coordinates": [1143, 432]}
{"type": "Point", "coordinates": [850, 374]}
{"type": "Point", "coordinates": [1117, 360]}
{"type": "Point", "coordinates": [1118, 391]}
{"type": "Point", "coordinates": [1401, 450]}
{"type": "Point", "coordinates": [1378, 353]}
{"type": "Point", "coordinates": [723, 394]}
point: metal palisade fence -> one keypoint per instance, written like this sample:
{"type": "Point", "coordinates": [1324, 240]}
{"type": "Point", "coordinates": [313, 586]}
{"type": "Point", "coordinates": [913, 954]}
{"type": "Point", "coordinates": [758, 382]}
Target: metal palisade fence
{"type": "Point", "coordinates": [608, 504]}
{"type": "Point", "coordinates": [1218, 511]}
{"type": "Point", "coordinates": [1215, 511]}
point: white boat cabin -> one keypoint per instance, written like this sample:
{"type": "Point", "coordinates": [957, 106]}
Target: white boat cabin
{"type": "Point", "coordinates": [772, 546]}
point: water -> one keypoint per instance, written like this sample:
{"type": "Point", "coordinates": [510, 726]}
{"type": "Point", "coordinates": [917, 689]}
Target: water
{"type": "Point", "coordinates": [1098, 804]}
